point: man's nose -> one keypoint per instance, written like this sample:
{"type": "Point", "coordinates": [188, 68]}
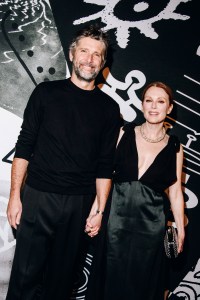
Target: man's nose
{"type": "Point", "coordinates": [90, 58]}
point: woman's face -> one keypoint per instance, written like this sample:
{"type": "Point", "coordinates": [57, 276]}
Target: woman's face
{"type": "Point", "coordinates": [155, 105]}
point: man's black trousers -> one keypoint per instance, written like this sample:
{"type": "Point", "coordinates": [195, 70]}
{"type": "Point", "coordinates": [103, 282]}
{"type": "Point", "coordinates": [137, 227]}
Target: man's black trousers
{"type": "Point", "coordinates": [47, 245]}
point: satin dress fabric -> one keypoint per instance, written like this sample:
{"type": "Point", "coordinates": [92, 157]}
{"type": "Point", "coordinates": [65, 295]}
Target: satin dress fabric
{"type": "Point", "coordinates": [135, 251]}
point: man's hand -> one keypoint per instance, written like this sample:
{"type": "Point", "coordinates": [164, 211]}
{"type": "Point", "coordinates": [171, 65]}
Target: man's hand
{"type": "Point", "coordinates": [14, 211]}
{"type": "Point", "coordinates": [18, 173]}
{"type": "Point", "coordinates": [93, 224]}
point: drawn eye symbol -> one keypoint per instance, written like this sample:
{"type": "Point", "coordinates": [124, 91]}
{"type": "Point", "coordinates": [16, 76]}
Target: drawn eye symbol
{"type": "Point", "coordinates": [132, 11]}
{"type": "Point", "coordinates": [124, 15]}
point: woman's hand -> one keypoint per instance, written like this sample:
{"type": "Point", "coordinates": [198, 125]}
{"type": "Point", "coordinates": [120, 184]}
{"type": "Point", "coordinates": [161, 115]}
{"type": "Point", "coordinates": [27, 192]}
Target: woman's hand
{"type": "Point", "coordinates": [93, 224]}
{"type": "Point", "coordinates": [181, 237]}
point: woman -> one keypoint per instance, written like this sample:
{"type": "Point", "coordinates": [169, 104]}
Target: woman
{"type": "Point", "coordinates": [148, 163]}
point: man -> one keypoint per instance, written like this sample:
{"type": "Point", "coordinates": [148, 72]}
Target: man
{"type": "Point", "coordinates": [66, 148]}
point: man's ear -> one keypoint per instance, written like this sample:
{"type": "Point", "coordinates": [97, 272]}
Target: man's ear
{"type": "Point", "coordinates": [70, 55]}
{"type": "Point", "coordinates": [103, 64]}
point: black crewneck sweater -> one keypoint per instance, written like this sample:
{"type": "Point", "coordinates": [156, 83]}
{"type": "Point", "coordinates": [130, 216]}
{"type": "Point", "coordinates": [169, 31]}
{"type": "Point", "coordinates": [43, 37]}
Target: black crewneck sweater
{"type": "Point", "coordinates": [68, 136]}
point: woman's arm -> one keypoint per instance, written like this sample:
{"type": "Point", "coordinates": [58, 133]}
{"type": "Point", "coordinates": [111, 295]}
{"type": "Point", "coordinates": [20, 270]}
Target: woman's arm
{"type": "Point", "coordinates": [93, 222]}
{"type": "Point", "coordinates": [177, 201]}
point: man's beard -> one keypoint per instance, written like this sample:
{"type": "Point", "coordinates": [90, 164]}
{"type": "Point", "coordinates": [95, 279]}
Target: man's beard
{"type": "Point", "coordinates": [83, 75]}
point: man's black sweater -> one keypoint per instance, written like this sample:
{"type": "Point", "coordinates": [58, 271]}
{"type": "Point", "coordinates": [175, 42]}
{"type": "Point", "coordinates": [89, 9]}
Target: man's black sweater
{"type": "Point", "coordinates": [68, 136]}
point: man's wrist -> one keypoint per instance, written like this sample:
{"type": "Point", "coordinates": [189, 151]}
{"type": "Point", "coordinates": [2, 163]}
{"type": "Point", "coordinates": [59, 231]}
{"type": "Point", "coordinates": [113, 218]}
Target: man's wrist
{"type": "Point", "coordinates": [99, 212]}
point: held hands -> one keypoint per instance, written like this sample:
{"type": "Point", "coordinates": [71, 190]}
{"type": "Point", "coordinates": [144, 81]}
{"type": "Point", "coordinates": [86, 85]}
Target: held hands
{"type": "Point", "coordinates": [93, 224]}
{"type": "Point", "coordinates": [14, 211]}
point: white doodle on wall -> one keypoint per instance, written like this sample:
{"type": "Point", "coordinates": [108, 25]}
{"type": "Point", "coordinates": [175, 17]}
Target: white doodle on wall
{"type": "Point", "coordinates": [7, 55]}
{"type": "Point", "coordinates": [192, 198]}
{"type": "Point", "coordinates": [193, 155]}
{"type": "Point", "coordinates": [80, 287]}
{"type": "Point", "coordinates": [189, 288]}
{"type": "Point", "coordinates": [198, 51]}
{"type": "Point", "coordinates": [112, 85]}
{"type": "Point", "coordinates": [186, 107]}
{"type": "Point", "coordinates": [6, 237]}
{"type": "Point", "coordinates": [122, 26]}
{"type": "Point", "coordinates": [191, 79]}
{"type": "Point", "coordinates": [30, 45]}
{"type": "Point", "coordinates": [28, 12]}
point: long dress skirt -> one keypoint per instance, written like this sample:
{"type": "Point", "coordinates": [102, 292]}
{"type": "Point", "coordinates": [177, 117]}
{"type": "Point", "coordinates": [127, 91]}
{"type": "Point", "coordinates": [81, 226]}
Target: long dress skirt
{"type": "Point", "coordinates": [135, 251]}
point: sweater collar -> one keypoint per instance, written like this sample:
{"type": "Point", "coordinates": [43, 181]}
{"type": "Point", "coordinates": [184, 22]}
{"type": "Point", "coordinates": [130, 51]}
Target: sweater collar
{"type": "Point", "coordinates": [79, 90]}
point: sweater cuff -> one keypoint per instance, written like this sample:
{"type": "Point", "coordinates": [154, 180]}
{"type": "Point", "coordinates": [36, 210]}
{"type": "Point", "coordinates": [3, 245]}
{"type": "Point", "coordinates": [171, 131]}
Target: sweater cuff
{"type": "Point", "coordinates": [20, 153]}
{"type": "Point", "coordinates": [105, 173]}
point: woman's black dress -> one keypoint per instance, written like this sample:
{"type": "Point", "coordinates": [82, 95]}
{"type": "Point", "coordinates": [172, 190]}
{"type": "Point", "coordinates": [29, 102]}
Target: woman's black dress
{"type": "Point", "coordinates": [135, 252]}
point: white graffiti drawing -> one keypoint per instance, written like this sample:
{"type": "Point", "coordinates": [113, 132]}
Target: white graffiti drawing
{"type": "Point", "coordinates": [7, 55]}
{"type": "Point", "coordinates": [28, 12]}
{"type": "Point", "coordinates": [112, 85]}
{"type": "Point", "coordinates": [189, 288]}
{"type": "Point", "coordinates": [122, 27]}
{"type": "Point", "coordinates": [192, 198]}
{"type": "Point", "coordinates": [30, 45]}
{"type": "Point", "coordinates": [193, 156]}
{"type": "Point", "coordinates": [198, 51]}
{"type": "Point", "coordinates": [6, 237]}
{"type": "Point", "coordinates": [81, 285]}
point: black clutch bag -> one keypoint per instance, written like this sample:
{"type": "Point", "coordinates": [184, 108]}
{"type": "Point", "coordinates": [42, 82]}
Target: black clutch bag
{"type": "Point", "coordinates": [171, 242]}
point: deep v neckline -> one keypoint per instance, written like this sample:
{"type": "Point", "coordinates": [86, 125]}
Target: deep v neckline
{"type": "Point", "coordinates": [154, 160]}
